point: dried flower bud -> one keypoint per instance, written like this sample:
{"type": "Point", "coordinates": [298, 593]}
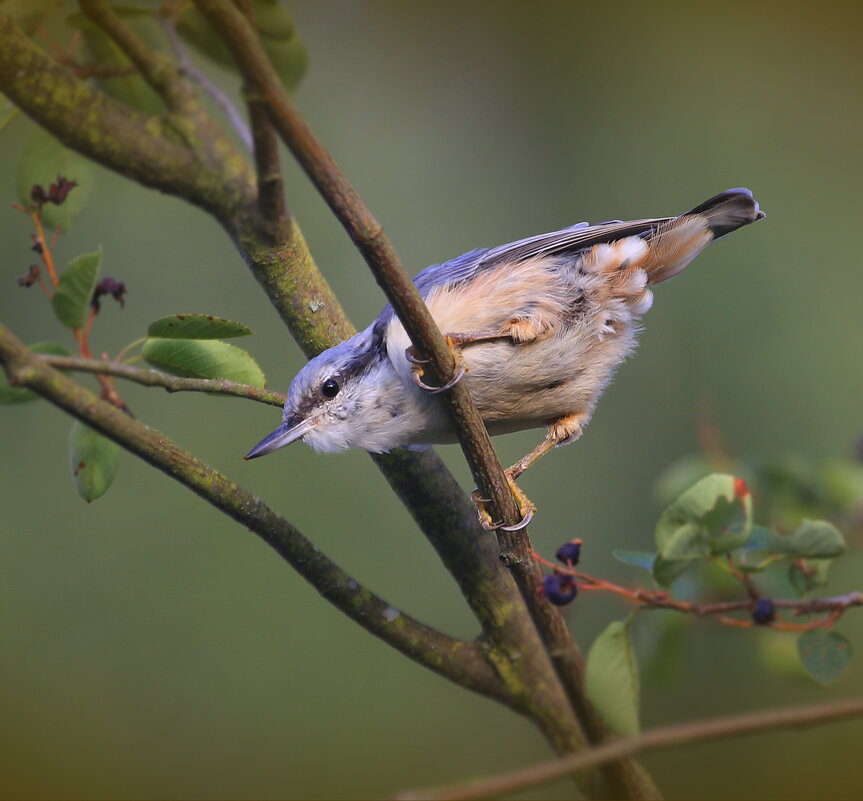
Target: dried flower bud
{"type": "Point", "coordinates": [58, 192]}
{"type": "Point", "coordinates": [38, 195]}
{"type": "Point", "coordinates": [109, 286]}
{"type": "Point", "coordinates": [30, 277]}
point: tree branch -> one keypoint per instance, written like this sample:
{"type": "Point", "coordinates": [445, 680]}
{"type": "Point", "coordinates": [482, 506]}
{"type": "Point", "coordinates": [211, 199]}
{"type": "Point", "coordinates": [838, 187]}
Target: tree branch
{"type": "Point", "coordinates": [162, 73]}
{"type": "Point", "coordinates": [652, 740]}
{"type": "Point", "coordinates": [220, 98]}
{"type": "Point", "coordinates": [462, 662]}
{"type": "Point", "coordinates": [365, 231]}
{"type": "Point", "coordinates": [155, 378]}
{"type": "Point", "coordinates": [126, 141]}
{"type": "Point", "coordinates": [150, 150]}
{"type": "Point", "coordinates": [212, 175]}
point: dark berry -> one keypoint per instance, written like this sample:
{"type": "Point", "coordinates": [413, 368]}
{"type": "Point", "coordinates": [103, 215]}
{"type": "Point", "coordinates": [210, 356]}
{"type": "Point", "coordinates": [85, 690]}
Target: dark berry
{"type": "Point", "coordinates": [569, 553]}
{"type": "Point", "coordinates": [764, 611]}
{"type": "Point", "coordinates": [559, 590]}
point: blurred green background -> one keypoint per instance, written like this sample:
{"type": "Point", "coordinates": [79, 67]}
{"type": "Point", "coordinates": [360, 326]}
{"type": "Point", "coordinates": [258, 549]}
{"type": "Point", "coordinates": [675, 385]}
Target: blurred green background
{"type": "Point", "coordinates": [153, 648]}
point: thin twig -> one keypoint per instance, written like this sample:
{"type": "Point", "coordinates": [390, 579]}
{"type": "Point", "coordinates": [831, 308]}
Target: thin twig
{"type": "Point", "coordinates": [652, 740]}
{"type": "Point", "coordinates": [832, 608]}
{"type": "Point", "coordinates": [460, 661]}
{"type": "Point", "coordinates": [220, 98]}
{"type": "Point", "coordinates": [154, 378]}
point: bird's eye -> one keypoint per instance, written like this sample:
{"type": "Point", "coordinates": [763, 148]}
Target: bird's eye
{"type": "Point", "coordinates": [330, 388]}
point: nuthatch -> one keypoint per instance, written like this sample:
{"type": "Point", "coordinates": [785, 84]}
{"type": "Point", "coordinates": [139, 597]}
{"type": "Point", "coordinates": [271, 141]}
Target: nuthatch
{"type": "Point", "coordinates": [538, 327]}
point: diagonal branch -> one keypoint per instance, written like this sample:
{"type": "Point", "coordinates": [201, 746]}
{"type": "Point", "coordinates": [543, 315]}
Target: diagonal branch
{"type": "Point", "coordinates": [220, 98]}
{"type": "Point", "coordinates": [651, 740]}
{"type": "Point", "coordinates": [462, 662]}
{"type": "Point", "coordinates": [137, 147]}
{"type": "Point", "coordinates": [365, 231]}
{"type": "Point", "coordinates": [161, 72]}
{"type": "Point", "coordinates": [210, 173]}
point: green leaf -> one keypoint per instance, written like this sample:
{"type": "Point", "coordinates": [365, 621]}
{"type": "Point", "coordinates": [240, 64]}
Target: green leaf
{"type": "Point", "coordinates": [130, 89]}
{"type": "Point", "coordinates": [71, 301]}
{"type": "Point", "coordinates": [635, 558]}
{"type": "Point", "coordinates": [681, 474]}
{"type": "Point", "coordinates": [816, 539]}
{"type": "Point", "coordinates": [44, 159]}
{"type": "Point", "coordinates": [28, 14]}
{"type": "Point", "coordinates": [666, 570]}
{"type": "Point", "coordinates": [816, 577]}
{"type": "Point", "coordinates": [278, 37]}
{"type": "Point", "coordinates": [713, 516]}
{"type": "Point", "coordinates": [203, 358]}
{"type": "Point", "coordinates": [196, 326]}
{"type": "Point", "coordinates": [10, 394]}
{"type": "Point", "coordinates": [93, 459]}
{"type": "Point", "coordinates": [765, 539]}
{"type": "Point", "coordinates": [611, 679]}
{"type": "Point", "coordinates": [824, 654]}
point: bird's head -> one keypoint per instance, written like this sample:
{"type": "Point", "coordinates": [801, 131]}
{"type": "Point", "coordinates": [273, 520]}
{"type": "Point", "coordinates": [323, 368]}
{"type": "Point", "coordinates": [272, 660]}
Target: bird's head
{"type": "Point", "coordinates": [334, 401]}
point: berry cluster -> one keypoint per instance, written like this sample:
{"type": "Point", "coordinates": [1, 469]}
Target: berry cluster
{"type": "Point", "coordinates": [560, 588]}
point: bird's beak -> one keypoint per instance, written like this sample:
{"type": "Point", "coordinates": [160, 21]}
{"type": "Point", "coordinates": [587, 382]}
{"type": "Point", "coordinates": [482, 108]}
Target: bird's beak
{"type": "Point", "coordinates": [285, 434]}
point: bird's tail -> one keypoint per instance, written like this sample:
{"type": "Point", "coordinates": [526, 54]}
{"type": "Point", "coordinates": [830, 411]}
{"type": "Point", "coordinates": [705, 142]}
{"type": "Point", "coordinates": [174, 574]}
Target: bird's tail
{"type": "Point", "coordinates": [676, 243]}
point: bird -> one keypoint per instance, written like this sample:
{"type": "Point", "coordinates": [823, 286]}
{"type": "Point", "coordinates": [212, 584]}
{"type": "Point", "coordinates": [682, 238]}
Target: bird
{"type": "Point", "coordinates": [538, 327]}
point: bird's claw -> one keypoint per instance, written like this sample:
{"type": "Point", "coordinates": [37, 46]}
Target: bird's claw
{"type": "Point", "coordinates": [417, 371]}
{"type": "Point", "coordinates": [525, 506]}
{"type": "Point", "coordinates": [410, 355]}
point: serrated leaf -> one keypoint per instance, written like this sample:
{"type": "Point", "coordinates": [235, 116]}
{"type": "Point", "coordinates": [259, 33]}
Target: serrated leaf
{"type": "Point", "coordinates": [816, 539]}
{"type": "Point", "coordinates": [635, 558]}
{"type": "Point", "coordinates": [71, 300]}
{"type": "Point", "coordinates": [824, 654]}
{"type": "Point", "coordinates": [44, 159]}
{"type": "Point", "coordinates": [28, 14]}
{"type": "Point", "coordinates": [11, 394]}
{"type": "Point", "coordinates": [93, 459]}
{"type": "Point", "coordinates": [278, 36]}
{"type": "Point", "coordinates": [196, 326]}
{"type": "Point", "coordinates": [611, 679]}
{"type": "Point", "coordinates": [203, 358]}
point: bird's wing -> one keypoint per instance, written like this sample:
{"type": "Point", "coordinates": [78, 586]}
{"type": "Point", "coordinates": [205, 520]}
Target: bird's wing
{"type": "Point", "coordinates": [571, 240]}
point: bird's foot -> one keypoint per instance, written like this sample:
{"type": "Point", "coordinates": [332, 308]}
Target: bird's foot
{"type": "Point", "coordinates": [526, 507]}
{"type": "Point", "coordinates": [418, 370]}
